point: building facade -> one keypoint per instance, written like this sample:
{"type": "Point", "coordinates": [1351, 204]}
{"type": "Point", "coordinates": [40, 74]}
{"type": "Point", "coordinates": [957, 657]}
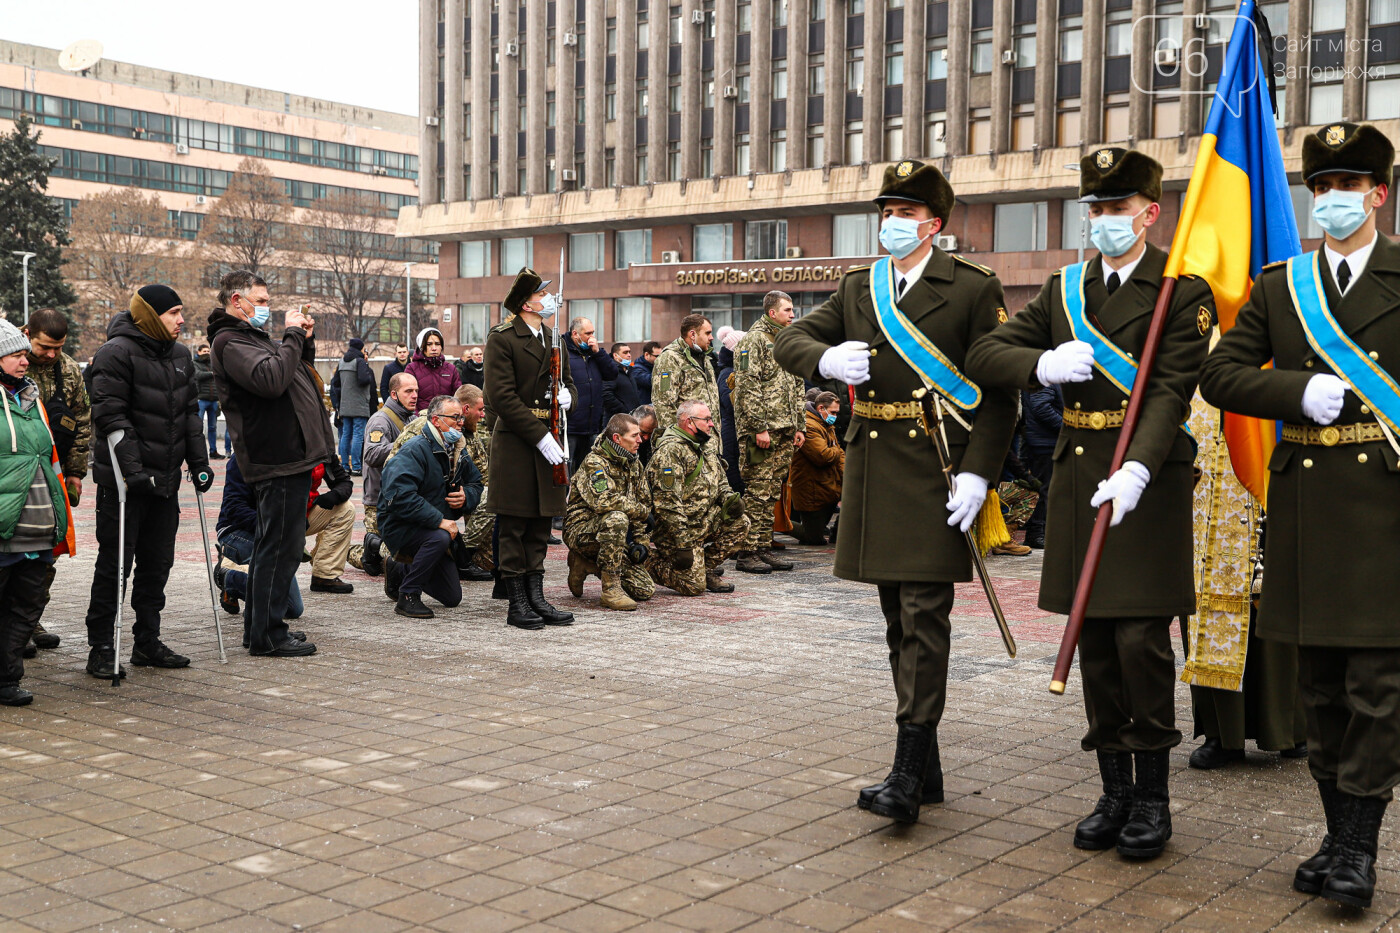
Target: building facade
{"type": "Point", "coordinates": [183, 137]}
{"type": "Point", "coordinates": [690, 156]}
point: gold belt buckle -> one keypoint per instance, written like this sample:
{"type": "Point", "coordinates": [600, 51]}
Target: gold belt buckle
{"type": "Point", "coordinates": [1329, 436]}
{"type": "Point", "coordinates": [886, 412]}
{"type": "Point", "coordinates": [1098, 420]}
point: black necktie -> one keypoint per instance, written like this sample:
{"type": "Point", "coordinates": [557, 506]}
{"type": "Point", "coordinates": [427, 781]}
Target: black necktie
{"type": "Point", "coordinates": [1343, 275]}
{"type": "Point", "coordinates": [1112, 283]}
{"type": "Point", "coordinates": [899, 289]}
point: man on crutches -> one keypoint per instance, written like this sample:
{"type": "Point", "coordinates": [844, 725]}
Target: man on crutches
{"type": "Point", "coordinates": [146, 428]}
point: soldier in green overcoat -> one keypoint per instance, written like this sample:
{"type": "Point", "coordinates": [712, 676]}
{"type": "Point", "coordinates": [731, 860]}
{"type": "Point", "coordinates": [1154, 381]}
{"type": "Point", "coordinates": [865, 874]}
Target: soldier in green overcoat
{"type": "Point", "coordinates": [895, 529]}
{"type": "Point", "coordinates": [1330, 323]}
{"type": "Point", "coordinates": [1084, 331]}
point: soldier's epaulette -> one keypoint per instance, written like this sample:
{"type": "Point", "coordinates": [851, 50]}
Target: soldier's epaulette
{"type": "Point", "coordinates": [502, 327]}
{"type": "Point", "coordinates": [1274, 265]}
{"type": "Point", "coordinates": [864, 268]}
{"type": "Point", "coordinates": [968, 262]}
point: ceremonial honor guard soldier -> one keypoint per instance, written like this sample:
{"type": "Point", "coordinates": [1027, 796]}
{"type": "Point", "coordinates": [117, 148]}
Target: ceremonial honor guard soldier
{"type": "Point", "coordinates": [897, 331]}
{"type": "Point", "coordinates": [1330, 323]}
{"type": "Point", "coordinates": [1085, 331]}
{"type": "Point", "coordinates": [522, 494]}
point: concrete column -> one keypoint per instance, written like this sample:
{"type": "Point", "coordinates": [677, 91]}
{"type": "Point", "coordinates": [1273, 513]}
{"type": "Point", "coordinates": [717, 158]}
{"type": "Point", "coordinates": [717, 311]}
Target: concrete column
{"type": "Point", "coordinates": [692, 96]}
{"type": "Point", "coordinates": [565, 63]}
{"type": "Point", "coordinates": [873, 121]}
{"type": "Point", "coordinates": [726, 33]}
{"type": "Point", "coordinates": [834, 115]}
{"type": "Point", "coordinates": [658, 113]}
{"type": "Point", "coordinates": [507, 152]}
{"type": "Point", "coordinates": [1295, 103]}
{"type": "Point", "coordinates": [537, 71]}
{"type": "Point", "coordinates": [428, 77]}
{"type": "Point", "coordinates": [799, 18]}
{"type": "Point", "coordinates": [481, 102]}
{"type": "Point", "coordinates": [959, 64]}
{"type": "Point", "coordinates": [1139, 100]}
{"type": "Point", "coordinates": [626, 147]}
{"type": "Point", "coordinates": [595, 112]}
{"type": "Point", "coordinates": [1047, 59]}
{"type": "Point", "coordinates": [1353, 93]}
{"type": "Point", "coordinates": [1001, 77]}
{"type": "Point", "coordinates": [915, 76]}
{"type": "Point", "coordinates": [1192, 107]}
{"type": "Point", "coordinates": [761, 86]}
{"type": "Point", "coordinates": [1091, 74]}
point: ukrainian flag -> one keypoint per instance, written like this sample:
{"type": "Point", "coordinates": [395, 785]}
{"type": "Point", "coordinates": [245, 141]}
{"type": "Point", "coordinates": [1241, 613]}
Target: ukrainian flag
{"type": "Point", "coordinates": [1238, 215]}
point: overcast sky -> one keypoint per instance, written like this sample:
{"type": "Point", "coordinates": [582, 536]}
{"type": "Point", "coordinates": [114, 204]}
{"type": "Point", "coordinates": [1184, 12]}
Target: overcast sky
{"type": "Point", "coordinates": [350, 51]}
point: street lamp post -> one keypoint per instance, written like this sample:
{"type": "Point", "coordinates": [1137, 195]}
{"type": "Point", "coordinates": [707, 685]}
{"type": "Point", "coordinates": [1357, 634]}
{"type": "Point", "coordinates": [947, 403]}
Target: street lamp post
{"type": "Point", "coordinates": [25, 257]}
{"type": "Point", "coordinates": [408, 301]}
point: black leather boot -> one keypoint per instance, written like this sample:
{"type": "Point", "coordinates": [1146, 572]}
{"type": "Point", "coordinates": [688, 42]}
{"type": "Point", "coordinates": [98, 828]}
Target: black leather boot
{"type": "Point", "coordinates": [393, 579]}
{"type": "Point", "coordinates": [1352, 880]}
{"type": "Point", "coordinates": [520, 614]}
{"type": "Point", "coordinates": [905, 786]}
{"type": "Point", "coordinates": [534, 589]}
{"type": "Point", "coordinates": [499, 590]}
{"type": "Point", "coordinates": [1100, 829]}
{"type": "Point", "coordinates": [1310, 875]}
{"type": "Point", "coordinates": [371, 561]}
{"type": "Point", "coordinates": [933, 781]}
{"type": "Point", "coordinates": [1149, 823]}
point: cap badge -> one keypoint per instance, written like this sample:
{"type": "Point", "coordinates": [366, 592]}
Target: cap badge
{"type": "Point", "coordinates": [1104, 159]}
{"type": "Point", "coordinates": [1336, 135]}
{"type": "Point", "coordinates": [904, 169]}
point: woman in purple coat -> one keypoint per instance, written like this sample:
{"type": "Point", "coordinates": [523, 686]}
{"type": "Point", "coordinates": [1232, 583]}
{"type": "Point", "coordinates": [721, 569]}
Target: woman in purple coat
{"type": "Point", "coordinates": [429, 366]}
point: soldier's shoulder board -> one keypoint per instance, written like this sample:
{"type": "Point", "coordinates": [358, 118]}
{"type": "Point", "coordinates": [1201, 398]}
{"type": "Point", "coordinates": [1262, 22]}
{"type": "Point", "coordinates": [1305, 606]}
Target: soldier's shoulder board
{"type": "Point", "coordinates": [968, 262]}
{"type": "Point", "coordinates": [853, 269]}
{"type": "Point", "coordinates": [502, 327]}
{"type": "Point", "coordinates": [1274, 265]}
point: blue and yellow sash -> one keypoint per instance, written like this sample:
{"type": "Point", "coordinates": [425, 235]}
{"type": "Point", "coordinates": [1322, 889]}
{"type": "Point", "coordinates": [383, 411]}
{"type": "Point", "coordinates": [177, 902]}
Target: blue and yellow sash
{"type": "Point", "coordinates": [1118, 367]}
{"type": "Point", "coordinates": [935, 369]}
{"type": "Point", "coordinates": [1374, 385]}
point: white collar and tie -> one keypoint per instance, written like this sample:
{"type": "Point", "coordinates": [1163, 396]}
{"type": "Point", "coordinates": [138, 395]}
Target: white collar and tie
{"type": "Point", "coordinates": [1347, 269]}
{"type": "Point", "coordinates": [1124, 272]}
{"type": "Point", "coordinates": [902, 280]}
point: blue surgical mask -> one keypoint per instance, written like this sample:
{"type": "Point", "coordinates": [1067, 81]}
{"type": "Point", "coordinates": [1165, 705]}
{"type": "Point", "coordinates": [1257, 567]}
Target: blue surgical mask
{"type": "Point", "coordinates": [451, 436]}
{"type": "Point", "coordinates": [1341, 213]}
{"type": "Point", "coordinates": [625, 362]}
{"type": "Point", "coordinates": [900, 236]}
{"type": "Point", "coordinates": [260, 315]}
{"type": "Point", "coordinates": [1113, 235]}
{"type": "Point", "coordinates": [830, 419]}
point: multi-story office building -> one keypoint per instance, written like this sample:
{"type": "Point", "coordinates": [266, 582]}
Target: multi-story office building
{"type": "Point", "coordinates": [183, 137]}
{"type": "Point", "coordinates": [692, 155]}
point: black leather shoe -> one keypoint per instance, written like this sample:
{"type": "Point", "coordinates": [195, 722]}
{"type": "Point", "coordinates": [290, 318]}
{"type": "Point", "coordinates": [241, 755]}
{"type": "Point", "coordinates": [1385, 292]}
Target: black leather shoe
{"type": "Point", "coordinates": [322, 585]}
{"type": "Point", "coordinates": [215, 455]}
{"type": "Point", "coordinates": [904, 788]}
{"type": "Point", "coordinates": [555, 539]}
{"type": "Point", "coordinates": [1298, 751]}
{"type": "Point", "coordinates": [1212, 754]}
{"type": "Point", "coordinates": [1036, 542]}
{"type": "Point", "coordinates": [474, 574]}
{"type": "Point", "coordinates": [101, 660]}
{"type": "Point", "coordinates": [499, 590]}
{"type": "Point", "coordinates": [43, 638]}
{"type": "Point", "coordinates": [1149, 823]}
{"type": "Point", "coordinates": [1352, 880]}
{"type": "Point", "coordinates": [933, 781]}
{"type": "Point", "coordinates": [15, 696]}
{"type": "Point", "coordinates": [1310, 875]}
{"type": "Point", "coordinates": [411, 605]}
{"type": "Point", "coordinates": [534, 591]}
{"type": "Point", "coordinates": [393, 579]}
{"type": "Point", "coordinates": [291, 648]}
{"type": "Point", "coordinates": [156, 654]}
{"type": "Point", "coordinates": [1100, 829]}
{"type": "Point", "coordinates": [294, 636]}
{"type": "Point", "coordinates": [371, 561]}
{"type": "Point", "coordinates": [520, 614]}
{"type": "Point", "coordinates": [30, 650]}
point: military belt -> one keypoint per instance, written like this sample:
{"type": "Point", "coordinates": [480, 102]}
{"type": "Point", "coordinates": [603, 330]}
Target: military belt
{"type": "Point", "coordinates": [1093, 420]}
{"type": "Point", "coordinates": [1333, 434]}
{"type": "Point", "coordinates": [542, 413]}
{"type": "Point", "coordinates": [886, 411]}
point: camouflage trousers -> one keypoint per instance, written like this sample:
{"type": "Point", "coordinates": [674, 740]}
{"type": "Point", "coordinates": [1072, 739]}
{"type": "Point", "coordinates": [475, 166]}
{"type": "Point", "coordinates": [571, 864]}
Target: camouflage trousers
{"type": "Point", "coordinates": [356, 557]}
{"type": "Point", "coordinates": [763, 484]}
{"type": "Point", "coordinates": [603, 540]}
{"type": "Point", "coordinates": [722, 539]}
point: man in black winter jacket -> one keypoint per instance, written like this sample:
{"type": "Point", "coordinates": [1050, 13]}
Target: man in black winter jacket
{"type": "Point", "coordinates": [144, 387]}
{"type": "Point", "coordinates": [621, 396]}
{"type": "Point", "coordinates": [592, 370]}
{"type": "Point", "coordinates": [271, 396]}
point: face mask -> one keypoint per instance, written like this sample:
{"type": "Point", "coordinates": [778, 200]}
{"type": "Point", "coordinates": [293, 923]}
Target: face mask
{"type": "Point", "coordinates": [624, 362]}
{"type": "Point", "coordinates": [549, 306]}
{"type": "Point", "coordinates": [260, 315]}
{"type": "Point", "coordinates": [1114, 235]}
{"type": "Point", "coordinates": [451, 436]}
{"type": "Point", "coordinates": [1340, 213]}
{"type": "Point", "coordinates": [830, 419]}
{"type": "Point", "coordinates": [900, 236]}
{"type": "Point", "coordinates": [701, 437]}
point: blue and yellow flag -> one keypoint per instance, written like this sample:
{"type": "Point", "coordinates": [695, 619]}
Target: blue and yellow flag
{"type": "Point", "coordinates": [1238, 214]}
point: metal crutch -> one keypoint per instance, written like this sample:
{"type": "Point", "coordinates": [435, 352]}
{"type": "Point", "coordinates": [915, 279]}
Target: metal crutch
{"type": "Point", "coordinates": [113, 440]}
{"type": "Point", "coordinates": [209, 567]}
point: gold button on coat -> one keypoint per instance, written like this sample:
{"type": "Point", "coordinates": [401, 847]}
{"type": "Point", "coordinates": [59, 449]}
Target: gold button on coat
{"type": "Point", "coordinates": [1307, 464]}
{"type": "Point", "coordinates": [1079, 451]}
{"type": "Point", "coordinates": [1077, 405]}
{"type": "Point", "coordinates": [871, 394]}
{"type": "Point", "coordinates": [913, 432]}
{"type": "Point", "coordinates": [874, 434]}
{"type": "Point", "coordinates": [1307, 363]}
{"type": "Point", "coordinates": [1361, 458]}
{"type": "Point", "coordinates": [1374, 355]}
{"type": "Point", "coordinates": [1365, 409]}
{"type": "Point", "coordinates": [874, 351]}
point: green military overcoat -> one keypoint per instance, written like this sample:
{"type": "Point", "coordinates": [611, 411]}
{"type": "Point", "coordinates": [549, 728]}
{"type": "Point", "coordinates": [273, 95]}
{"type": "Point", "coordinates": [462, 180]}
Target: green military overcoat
{"type": "Point", "coordinates": [516, 370]}
{"type": "Point", "coordinates": [1333, 521]}
{"type": "Point", "coordinates": [1146, 568]}
{"type": "Point", "coordinates": [894, 516]}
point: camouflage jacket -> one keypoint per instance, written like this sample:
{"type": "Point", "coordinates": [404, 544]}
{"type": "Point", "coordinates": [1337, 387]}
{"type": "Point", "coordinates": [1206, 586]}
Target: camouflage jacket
{"type": "Point", "coordinates": [479, 447]}
{"type": "Point", "coordinates": [609, 481]}
{"type": "Point", "coordinates": [75, 465]}
{"type": "Point", "coordinates": [677, 377]}
{"type": "Point", "coordinates": [687, 483]}
{"type": "Point", "coordinates": [766, 396]}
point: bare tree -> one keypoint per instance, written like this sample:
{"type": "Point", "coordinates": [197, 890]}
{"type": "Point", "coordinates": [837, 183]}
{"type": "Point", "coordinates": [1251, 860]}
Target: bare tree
{"type": "Point", "coordinates": [249, 222]}
{"type": "Point", "coordinates": [345, 237]}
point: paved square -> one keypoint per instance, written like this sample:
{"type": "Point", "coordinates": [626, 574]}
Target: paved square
{"type": "Point", "coordinates": [690, 766]}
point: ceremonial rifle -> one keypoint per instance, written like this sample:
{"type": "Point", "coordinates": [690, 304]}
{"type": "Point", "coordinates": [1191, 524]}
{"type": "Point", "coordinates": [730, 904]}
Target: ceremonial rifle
{"type": "Point", "coordinates": [558, 417]}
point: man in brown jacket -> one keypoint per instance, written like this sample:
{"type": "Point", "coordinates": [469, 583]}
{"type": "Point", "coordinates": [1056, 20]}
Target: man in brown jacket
{"type": "Point", "coordinates": [815, 477]}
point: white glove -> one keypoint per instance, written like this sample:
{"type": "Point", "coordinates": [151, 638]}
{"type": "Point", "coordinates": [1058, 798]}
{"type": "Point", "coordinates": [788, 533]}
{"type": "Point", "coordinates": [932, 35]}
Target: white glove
{"type": "Point", "coordinates": [565, 398]}
{"type": "Point", "coordinates": [1322, 398]}
{"type": "Point", "coordinates": [551, 450]}
{"type": "Point", "coordinates": [1071, 361]}
{"type": "Point", "coordinates": [1124, 488]}
{"type": "Point", "coordinates": [848, 362]}
{"type": "Point", "coordinates": [966, 501]}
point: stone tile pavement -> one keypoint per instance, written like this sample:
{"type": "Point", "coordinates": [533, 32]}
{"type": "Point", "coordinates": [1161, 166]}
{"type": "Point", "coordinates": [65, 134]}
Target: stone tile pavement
{"type": "Point", "coordinates": [691, 766]}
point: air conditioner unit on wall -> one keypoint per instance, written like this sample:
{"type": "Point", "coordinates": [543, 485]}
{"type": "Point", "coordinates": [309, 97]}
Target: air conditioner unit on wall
{"type": "Point", "coordinates": [570, 38]}
{"type": "Point", "coordinates": [568, 174]}
{"type": "Point", "coordinates": [671, 255]}
{"type": "Point", "coordinates": [730, 92]}
{"type": "Point", "coordinates": [1008, 57]}
{"type": "Point", "coordinates": [1165, 58]}
{"type": "Point", "coordinates": [512, 49]}
{"type": "Point", "coordinates": [77, 124]}
{"type": "Point", "coordinates": [793, 252]}
{"type": "Point", "coordinates": [697, 17]}
{"type": "Point", "coordinates": [200, 199]}
{"type": "Point", "coordinates": [946, 242]}
{"type": "Point", "coordinates": [431, 121]}
{"type": "Point", "coordinates": [182, 149]}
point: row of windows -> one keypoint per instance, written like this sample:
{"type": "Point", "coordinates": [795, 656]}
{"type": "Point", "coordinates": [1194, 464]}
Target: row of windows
{"type": "Point", "coordinates": [48, 110]}
{"type": "Point", "coordinates": [631, 319]}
